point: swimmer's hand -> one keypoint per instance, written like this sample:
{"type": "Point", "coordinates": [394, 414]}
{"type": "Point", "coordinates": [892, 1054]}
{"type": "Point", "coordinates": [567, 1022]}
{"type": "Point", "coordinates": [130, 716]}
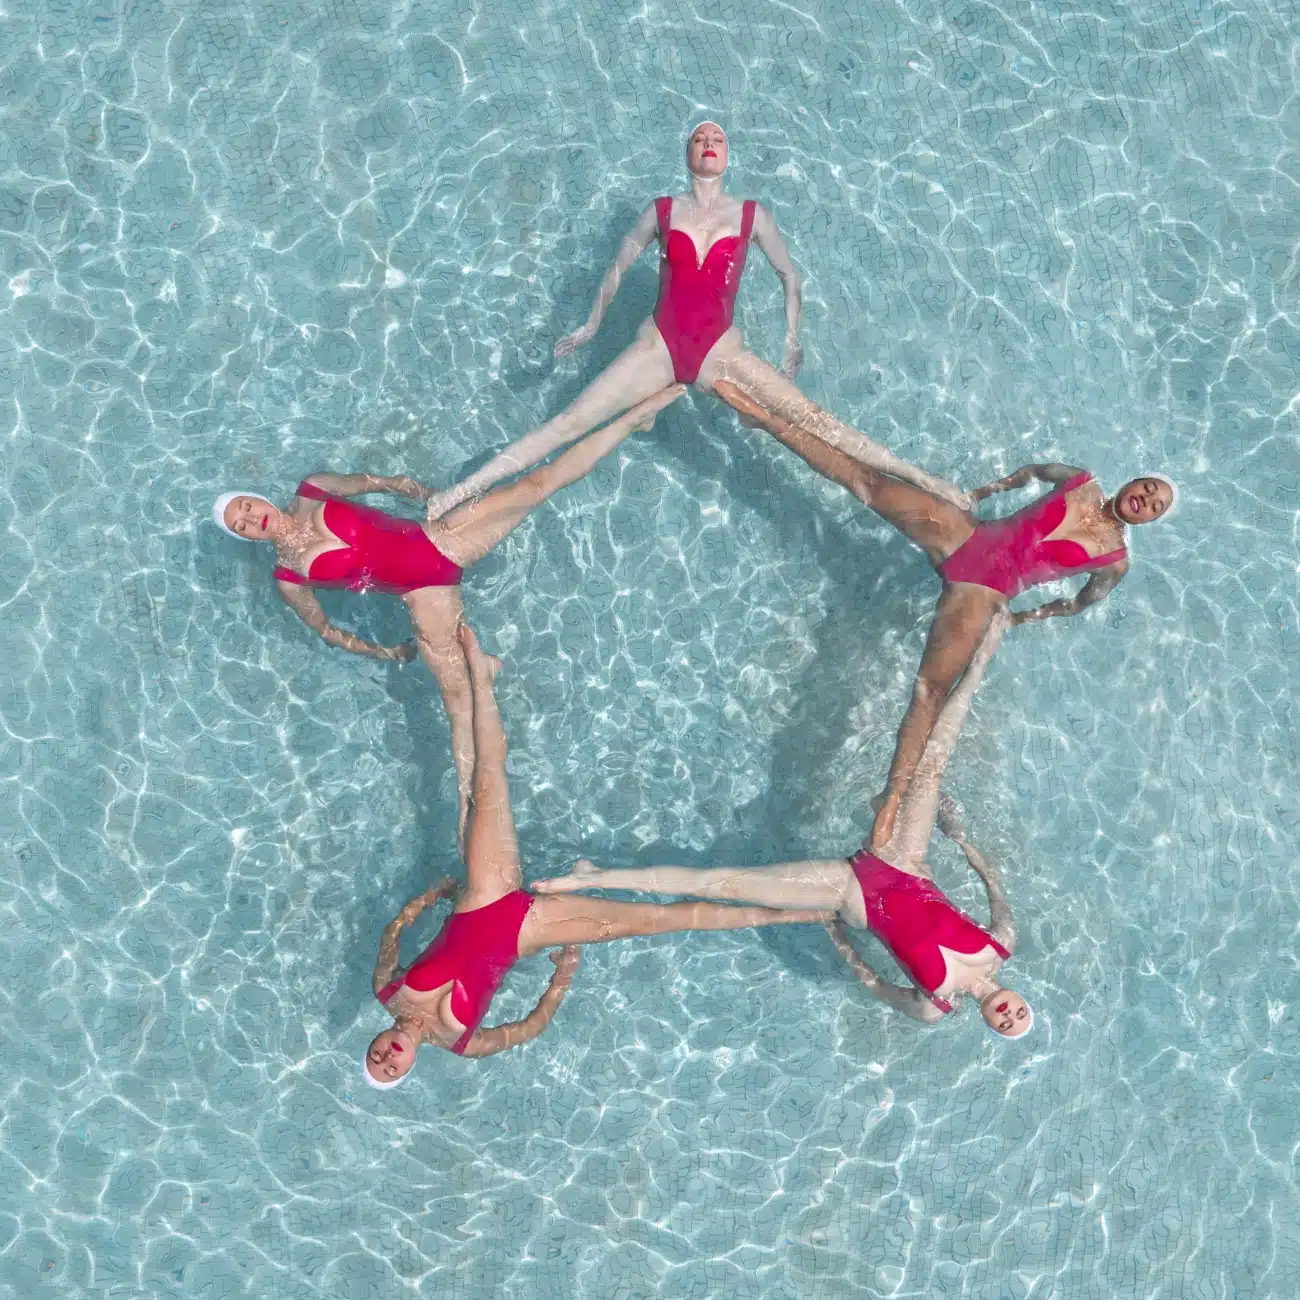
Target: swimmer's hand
{"type": "Point", "coordinates": [572, 342]}
{"type": "Point", "coordinates": [566, 962]}
{"type": "Point", "coordinates": [403, 653]}
{"type": "Point", "coordinates": [793, 359]}
{"type": "Point", "coordinates": [1053, 609]}
{"type": "Point", "coordinates": [408, 487]}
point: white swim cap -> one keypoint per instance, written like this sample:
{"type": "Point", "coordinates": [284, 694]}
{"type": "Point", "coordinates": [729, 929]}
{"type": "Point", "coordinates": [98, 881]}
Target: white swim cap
{"type": "Point", "coordinates": [1028, 1029]}
{"type": "Point", "coordinates": [219, 510]}
{"type": "Point", "coordinates": [690, 135]}
{"type": "Point", "coordinates": [1173, 493]}
{"type": "Point", "coordinates": [375, 1083]}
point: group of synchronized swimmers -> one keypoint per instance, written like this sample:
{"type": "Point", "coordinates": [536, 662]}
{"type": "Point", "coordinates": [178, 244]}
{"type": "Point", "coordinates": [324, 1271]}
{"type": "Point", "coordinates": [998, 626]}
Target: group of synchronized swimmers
{"type": "Point", "coordinates": [325, 539]}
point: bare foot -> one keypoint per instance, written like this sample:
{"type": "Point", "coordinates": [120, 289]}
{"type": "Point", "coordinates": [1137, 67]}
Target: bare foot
{"type": "Point", "coordinates": [883, 831]}
{"type": "Point", "coordinates": [584, 875]}
{"type": "Point", "coordinates": [482, 666]}
{"type": "Point", "coordinates": [644, 413]}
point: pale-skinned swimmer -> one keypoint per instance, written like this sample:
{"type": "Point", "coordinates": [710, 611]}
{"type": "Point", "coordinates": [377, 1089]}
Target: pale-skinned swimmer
{"type": "Point", "coordinates": [892, 893]}
{"type": "Point", "coordinates": [323, 539]}
{"type": "Point", "coordinates": [444, 995]}
{"type": "Point", "coordinates": [704, 236]}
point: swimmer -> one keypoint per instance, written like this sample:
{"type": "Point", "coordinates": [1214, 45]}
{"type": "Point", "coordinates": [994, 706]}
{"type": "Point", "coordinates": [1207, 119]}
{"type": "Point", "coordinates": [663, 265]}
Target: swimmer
{"type": "Point", "coordinates": [325, 540]}
{"type": "Point", "coordinates": [444, 996]}
{"type": "Point", "coordinates": [892, 893]}
{"type": "Point", "coordinates": [1073, 529]}
{"type": "Point", "coordinates": [704, 237]}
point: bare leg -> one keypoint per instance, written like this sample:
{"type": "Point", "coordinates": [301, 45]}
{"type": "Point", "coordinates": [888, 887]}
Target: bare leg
{"type": "Point", "coordinates": [435, 614]}
{"type": "Point", "coordinates": [960, 620]}
{"type": "Point", "coordinates": [491, 849]}
{"type": "Point", "coordinates": [772, 390]}
{"type": "Point", "coordinates": [555, 922]}
{"type": "Point", "coordinates": [936, 525]}
{"type": "Point", "coordinates": [639, 370]}
{"type": "Point", "coordinates": [820, 883]}
{"type": "Point", "coordinates": [467, 534]}
{"type": "Point", "coordinates": [916, 815]}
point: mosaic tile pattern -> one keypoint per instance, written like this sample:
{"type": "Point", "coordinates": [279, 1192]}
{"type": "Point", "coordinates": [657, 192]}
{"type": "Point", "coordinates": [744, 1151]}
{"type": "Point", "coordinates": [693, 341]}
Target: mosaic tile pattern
{"type": "Point", "coordinates": [240, 242]}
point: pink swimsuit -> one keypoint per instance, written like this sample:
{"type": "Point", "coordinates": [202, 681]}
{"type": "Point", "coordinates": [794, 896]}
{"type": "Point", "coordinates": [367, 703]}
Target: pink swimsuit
{"type": "Point", "coordinates": [383, 553]}
{"type": "Point", "coordinates": [697, 300]}
{"type": "Point", "coordinates": [911, 917]}
{"type": "Point", "coordinates": [474, 950]}
{"type": "Point", "coordinates": [1010, 555]}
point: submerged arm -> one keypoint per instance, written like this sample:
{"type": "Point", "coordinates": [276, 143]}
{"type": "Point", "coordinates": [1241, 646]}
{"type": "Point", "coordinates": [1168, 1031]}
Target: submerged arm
{"type": "Point", "coordinates": [386, 963]}
{"type": "Point", "coordinates": [1002, 925]}
{"type": "Point", "coordinates": [1097, 588]}
{"type": "Point", "coordinates": [634, 244]}
{"type": "Point", "coordinates": [487, 1042]}
{"type": "Point", "coordinates": [355, 485]}
{"type": "Point", "coordinates": [302, 600]}
{"type": "Point", "coordinates": [1050, 472]}
{"type": "Point", "coordinates": [768, 238]}
{"type": "Point", "coordinates": [911, 1002]}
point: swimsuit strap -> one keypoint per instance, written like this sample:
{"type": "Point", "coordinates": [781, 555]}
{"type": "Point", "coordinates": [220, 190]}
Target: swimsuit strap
{"type": "Point", "coordinates": [312, 492]}
{"type": "Point", "coordinates": [747, 220]}
{"type": "Point", "coordinates": [282, 574]}
{"type": "Point", "coordinates": [664, 211]}
{"type": "Point", "coordinates": [1101, 561]}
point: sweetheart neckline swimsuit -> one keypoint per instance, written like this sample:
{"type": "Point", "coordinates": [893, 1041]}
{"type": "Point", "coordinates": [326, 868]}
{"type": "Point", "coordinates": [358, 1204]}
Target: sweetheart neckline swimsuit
{"type": "Point", "coordinates": [473, 950]}
{"type": "Point", "coordinates": [1013, 554]}
{"type": "Point", "coordinates": [697, 300]}
{"type": "Point", "coordinates": [912, 916]}
{"type": "Point", "coordinates": [381, 551]}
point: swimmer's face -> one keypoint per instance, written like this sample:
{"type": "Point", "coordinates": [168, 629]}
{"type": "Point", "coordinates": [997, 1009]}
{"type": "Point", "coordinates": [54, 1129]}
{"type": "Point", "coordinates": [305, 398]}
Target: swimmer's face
{"type": "Point", "coordinates": [1005, 1012]}
{"type": "Point", "coordinates": [706, 153]}
{"type": "Point", "coordinates": [390, 1055]}
{"type": "Point", "coordinates": [1143, 500]}
{"type": "Point", "coordinates": [252, 517]}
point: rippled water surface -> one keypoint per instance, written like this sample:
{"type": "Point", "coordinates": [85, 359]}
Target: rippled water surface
{"type": "Point", "coordinates": [239, 242]}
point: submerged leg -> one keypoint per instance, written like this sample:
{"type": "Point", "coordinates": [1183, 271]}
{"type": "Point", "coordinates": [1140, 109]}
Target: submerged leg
{"type": "Point", "coordinates": [555, 922]}
{"type": "Point", "coordinates": [435, 615]}
{"type": "Point", "coordinates": [467, 534]}
{"type": "Point", "coordinates": [960, 620]}
{"type": "Point", "coordinates": [639, 370]}
{"type": "Point", "coordinates": [491, 847]}
{"type": "Point", "coordinates": [917, 812]}
{"type": "Point", "coordinates": [936, 525]}
{"type": "Point", "coordinates": [773, 391]}
{"type": "Point", "coordinates": [820, 883]}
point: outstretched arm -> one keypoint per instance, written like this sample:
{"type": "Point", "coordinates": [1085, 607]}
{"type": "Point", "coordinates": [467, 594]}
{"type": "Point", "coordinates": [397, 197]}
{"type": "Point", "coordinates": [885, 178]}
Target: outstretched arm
{"type": "Point", "coordinates": [911, 838]}
{"type": "Point", "coordinates": [911, 1002]}
{"type": "Point", "coordinates": [634, 244]}
{"type": "Point", "coordinates": [386, 963]}
{"type": "Point", "coordinates": [487, 1042]}
{"type": "Point", "coordinates": [1096, 589]}
{"type": "Point", "coordinates": [768, 238]}
{"type": "Point", "coordinates": [302, 600]}
{"type": "Point", "coordinates": [355, 485]}
{"type": "Point", "coordinates": [1002, 925]}
{"type": "Point", "coordinates": [1051, 472]}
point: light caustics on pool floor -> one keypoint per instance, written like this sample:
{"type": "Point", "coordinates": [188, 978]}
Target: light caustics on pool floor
{"type": "Point", "coordinates": [243, 242]}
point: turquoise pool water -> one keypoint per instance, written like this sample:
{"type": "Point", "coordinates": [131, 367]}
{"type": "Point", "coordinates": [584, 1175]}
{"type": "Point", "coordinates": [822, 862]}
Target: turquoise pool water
{"type": "Point", "coordinates": [240, 242]}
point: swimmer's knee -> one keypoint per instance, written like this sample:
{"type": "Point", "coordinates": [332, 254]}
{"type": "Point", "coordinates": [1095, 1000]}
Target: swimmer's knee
{"type": "Point", "coordinates": [931, 689]}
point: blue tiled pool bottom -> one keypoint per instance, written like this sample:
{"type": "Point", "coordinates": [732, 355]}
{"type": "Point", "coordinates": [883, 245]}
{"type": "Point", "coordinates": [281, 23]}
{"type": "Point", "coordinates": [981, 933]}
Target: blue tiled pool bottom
{"type": "Point", "coordinates": [242, 243]}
